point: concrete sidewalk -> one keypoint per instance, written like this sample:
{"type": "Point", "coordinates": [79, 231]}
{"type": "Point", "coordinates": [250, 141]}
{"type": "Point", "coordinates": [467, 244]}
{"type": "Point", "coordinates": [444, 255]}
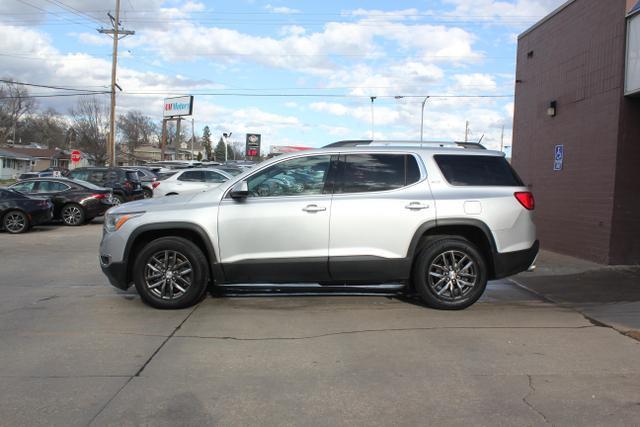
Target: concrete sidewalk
{"type": "Point", "coordinates": [605, 294]}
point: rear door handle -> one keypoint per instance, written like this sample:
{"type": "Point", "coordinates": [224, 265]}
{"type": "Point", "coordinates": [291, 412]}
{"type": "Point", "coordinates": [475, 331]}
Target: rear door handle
{"type": "Point", "coordinates": [314, 208]}
{"type": "Point", "coordinates": [416, 206]}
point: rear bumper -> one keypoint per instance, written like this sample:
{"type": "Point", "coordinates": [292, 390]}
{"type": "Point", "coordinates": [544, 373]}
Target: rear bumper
{"type": "Point", "coordinates": [510, 263]}
{"type": "Point", "coordinates": [116, 272]}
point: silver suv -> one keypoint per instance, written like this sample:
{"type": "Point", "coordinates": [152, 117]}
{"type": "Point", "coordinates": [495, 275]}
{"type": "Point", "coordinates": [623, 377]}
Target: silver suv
{"type": "Point", "coordinates": [439, 220]}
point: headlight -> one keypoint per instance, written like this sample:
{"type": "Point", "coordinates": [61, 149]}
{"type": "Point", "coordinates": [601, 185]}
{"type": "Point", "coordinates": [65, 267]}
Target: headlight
{"type": "Point", "coordinates": [113, 221]}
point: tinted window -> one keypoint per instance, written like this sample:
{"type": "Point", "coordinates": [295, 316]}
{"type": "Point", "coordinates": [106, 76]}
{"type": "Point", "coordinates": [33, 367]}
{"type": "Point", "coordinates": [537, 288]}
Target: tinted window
{"type": "Point", "coordinates": [376, 172]}
{"type": "Point", "coordinates": [80, 174]}
{"type": "Point", "coordinates": [294, 177]}
{"type": "Point", "coordinates": [477, 170]}
{"type": "Point", "coordinates": [24, 187]}
{"type": "Point", "coordinates": [214, 177]}
{"type": "Point", "coordinates": [133, 175]}
{"type": "Point", "coordinates": [191, 176]}
{"type": "Point", "coordinates": [50, 187]}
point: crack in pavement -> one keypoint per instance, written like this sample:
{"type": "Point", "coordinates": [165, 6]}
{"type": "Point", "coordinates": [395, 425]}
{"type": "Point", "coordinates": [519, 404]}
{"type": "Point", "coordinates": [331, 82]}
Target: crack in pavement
{"type": "Point", "coordinates": [328, 334]}
{"type": "Point", "coordinates": [530, 405]}
{"type": "Point", "coordinates": [144, 365]}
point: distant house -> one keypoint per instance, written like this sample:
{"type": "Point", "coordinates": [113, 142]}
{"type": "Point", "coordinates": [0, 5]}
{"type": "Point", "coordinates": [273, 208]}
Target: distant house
{"type": "Point", "coordinates": [13, 164]}
{"type": "Point", "coordinates": [44, 158]}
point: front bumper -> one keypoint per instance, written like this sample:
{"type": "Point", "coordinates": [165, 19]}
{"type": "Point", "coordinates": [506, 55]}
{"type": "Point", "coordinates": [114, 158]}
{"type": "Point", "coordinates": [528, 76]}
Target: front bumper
{"type": "Point", "coordinates": [116, 272]}
{"type": "Point", "coordinates": [510, 263]}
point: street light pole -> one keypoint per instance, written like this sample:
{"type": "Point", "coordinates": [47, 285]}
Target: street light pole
{"type": "Point", "coordinates": [422, 118]}
{"type": "Point", "coordinates": [373, 98]}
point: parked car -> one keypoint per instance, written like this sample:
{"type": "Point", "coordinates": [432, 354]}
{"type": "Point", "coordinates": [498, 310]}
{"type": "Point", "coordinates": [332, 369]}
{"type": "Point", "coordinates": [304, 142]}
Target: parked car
{"type": "Point", "coordinates": [19, 212]}
{"type": "Point", "coordinates": [125, 184]}
{"type": "Point", "coordinates": [29, 175]}
{"type": "Point", "coordinates": [232, 170]}
{"type": "Point", "coordinates": [75, 202]}
{"type": "Point", "coordinates": [189, 181]}
{"type": "Point", "coordinates": [147, 178]}
{"type": "Point", "coordinates": [440, 221]}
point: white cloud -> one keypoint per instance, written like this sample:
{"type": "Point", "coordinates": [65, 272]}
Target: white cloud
{"type": "Point", "coordinates": [519, 13]}
{"type": "Point", "coordinates": [282, 10]}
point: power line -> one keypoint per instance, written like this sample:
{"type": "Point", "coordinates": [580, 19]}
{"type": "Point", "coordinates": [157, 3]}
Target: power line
{"type": "Point", "coordinates": [309, 95]}
{"type": "Point", "coordinates": [53, 13]}
{"type": "Point", "coordinates": [55, 95]}
{"type": "Point", "coordinates": [48, 86]}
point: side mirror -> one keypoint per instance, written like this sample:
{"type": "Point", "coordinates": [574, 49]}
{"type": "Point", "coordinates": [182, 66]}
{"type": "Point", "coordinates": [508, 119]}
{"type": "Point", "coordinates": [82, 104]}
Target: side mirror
{"type": "Point", "coordinates": [240, 190]}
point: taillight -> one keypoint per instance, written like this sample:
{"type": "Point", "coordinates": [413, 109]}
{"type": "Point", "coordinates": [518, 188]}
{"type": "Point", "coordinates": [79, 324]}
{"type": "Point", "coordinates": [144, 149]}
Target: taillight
{"type": "Point", "coordinates": [526, 199]}
{"type": "Point", "coordinates": [98, 196]}
{"type": "Point", "coordinates": [155, 184]}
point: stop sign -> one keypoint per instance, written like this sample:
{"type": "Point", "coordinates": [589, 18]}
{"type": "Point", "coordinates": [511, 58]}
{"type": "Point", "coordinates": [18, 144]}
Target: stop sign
{"type": "Point", "coordinates": [75, 156]}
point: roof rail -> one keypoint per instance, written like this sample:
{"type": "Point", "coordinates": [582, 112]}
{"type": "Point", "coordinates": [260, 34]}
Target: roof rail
{"type": "Point", "coordinates": [370, 142]}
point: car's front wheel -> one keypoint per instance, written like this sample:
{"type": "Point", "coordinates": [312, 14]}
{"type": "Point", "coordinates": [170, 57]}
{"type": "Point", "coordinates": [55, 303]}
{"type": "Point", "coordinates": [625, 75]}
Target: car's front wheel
{"type": "Point", "coordinates": [450, 273]}
{"type": "Point", "coordinates": [171, 273]}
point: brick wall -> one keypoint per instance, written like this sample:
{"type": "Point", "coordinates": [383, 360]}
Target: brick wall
{"type": "Point", "coordinates": [577, 59]}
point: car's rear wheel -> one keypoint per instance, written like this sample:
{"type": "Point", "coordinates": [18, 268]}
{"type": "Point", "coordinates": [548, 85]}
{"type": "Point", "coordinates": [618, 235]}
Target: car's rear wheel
{"type": "Point", "coordinates": [450, 273]}
{"type": "Point", "coordinates": [73, 214]}
{"type": "Point", "coordinates": [147, 193]}
{"type": "Point", "coordinates": [15, 222]}
{"type": "Point", "coordinates": [171, 273]}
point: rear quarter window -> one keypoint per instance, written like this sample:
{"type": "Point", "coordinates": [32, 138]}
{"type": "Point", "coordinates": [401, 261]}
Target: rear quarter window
{"type": "Point", "coordinates": [477, 170]}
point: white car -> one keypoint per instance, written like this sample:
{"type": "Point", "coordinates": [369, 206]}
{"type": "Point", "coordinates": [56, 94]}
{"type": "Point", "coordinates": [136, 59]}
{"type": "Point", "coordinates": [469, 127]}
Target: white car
{"type": "Point", "coordinates": [190, 181]}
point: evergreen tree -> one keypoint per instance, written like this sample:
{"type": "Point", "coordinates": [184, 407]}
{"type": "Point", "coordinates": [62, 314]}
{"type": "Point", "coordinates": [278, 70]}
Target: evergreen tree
{"type": "Point", "coordinates": [206, 141]}
{"type": "Point", "coordinates": [219, 151]}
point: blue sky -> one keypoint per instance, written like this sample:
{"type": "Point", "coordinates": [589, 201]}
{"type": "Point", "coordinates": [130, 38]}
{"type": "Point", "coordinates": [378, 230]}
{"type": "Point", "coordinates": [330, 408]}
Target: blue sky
{"type": "Point", "coordinates": [341, 53]}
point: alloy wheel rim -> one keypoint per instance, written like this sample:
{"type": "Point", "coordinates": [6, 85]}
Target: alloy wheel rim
{"type": "Point", "coordinates": [452, 275]}
{"type": "Point", "coordinates": [72, 215]}
{"type": "Point", "coordinates": [168, 274]}
{"type": "Point", "coordinates": [15, 222]}
{"type": "Point", "coordinates": [115, 201]}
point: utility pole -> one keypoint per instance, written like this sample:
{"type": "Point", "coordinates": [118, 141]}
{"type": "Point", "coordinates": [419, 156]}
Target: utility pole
{"type": "Point", "coordinates": [373, 98]}
{"type": "Point", "coordinates": [117, 33]}
{"type": "Point", "coordinates": [502, 139]}
{"type": "Point", "coordinates": [193, 136]}
{"type": "Point", "coordinates": [466, 132]}
{"type": "Point", "coordinates": [178, 138]}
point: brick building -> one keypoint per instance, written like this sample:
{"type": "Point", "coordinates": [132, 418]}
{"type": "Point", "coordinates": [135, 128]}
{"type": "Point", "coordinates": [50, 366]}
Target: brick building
{"type": "Point", "coordinates": [570, 91]}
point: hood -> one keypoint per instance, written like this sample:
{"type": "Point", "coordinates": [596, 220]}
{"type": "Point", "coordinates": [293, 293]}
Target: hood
{"type": "Point", "coordinates": [171, 203]}
{"type": "Point", "coordinates": [153, 204]}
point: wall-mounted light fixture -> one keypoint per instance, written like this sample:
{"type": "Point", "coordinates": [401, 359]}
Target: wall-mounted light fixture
{"type": "Point", "coordinates": [552, 110]}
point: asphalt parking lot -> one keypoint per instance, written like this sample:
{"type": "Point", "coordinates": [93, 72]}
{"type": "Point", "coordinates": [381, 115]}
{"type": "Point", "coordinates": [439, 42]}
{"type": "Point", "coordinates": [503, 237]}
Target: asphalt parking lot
{"type": "Point", "coordinates": [75, 351]}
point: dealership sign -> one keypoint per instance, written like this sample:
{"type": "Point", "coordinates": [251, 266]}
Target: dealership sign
{"type": "Point", "coordinates": [253, 144]}
{"type": "Point", "coordinates": [179, 106]}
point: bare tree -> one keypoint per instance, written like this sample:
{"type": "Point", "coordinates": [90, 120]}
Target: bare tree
{"type": "Point", "coordinates": [14, 104]}
{"type": "Point", "coordinates": [47, 128]}
{"type": "Point", "coordinates": [137, 129]}
{"type": "Point", "coordinates": [91, 125]}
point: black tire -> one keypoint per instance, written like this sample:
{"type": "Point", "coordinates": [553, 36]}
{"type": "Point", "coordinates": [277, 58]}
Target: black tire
{"type": "Point", "coordinates": [447, 288]}
{"type": "Point", "coordinates": [118, 199]}
{"type": "Point", "coordinates": [171, 297]}
{"type": "Point", "coordinates": [73, 214]}
{"type": "Point", "coordinates": [16, 222]}
{"type": "Point", "coordinates": [147, 193]}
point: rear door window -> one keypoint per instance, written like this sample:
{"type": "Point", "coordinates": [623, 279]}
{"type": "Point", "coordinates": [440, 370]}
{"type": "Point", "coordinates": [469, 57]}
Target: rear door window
{"type": "Point", "coordinates": [214, 177]}
{"type": "Point", "coordinates": [361, 173]}
{"type": "Point", "coordinates": [477, 170]}
{"type": "Point", "coordinates": [192, 176]}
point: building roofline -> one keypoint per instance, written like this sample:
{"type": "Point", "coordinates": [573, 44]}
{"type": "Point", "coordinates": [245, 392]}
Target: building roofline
{"type": "Point", "coordinates": [546, 18]}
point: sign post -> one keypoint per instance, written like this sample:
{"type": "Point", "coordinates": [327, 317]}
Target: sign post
{"type": "Point", "coordinates": [174, 109]}
{"type": "Point", "coordinates": [253, 145]}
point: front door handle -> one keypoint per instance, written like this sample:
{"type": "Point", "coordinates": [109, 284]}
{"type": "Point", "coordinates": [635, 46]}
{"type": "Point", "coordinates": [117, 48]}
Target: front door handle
{"type": "Point", "coordinates": [416, 206]}
{"type": "Point", "coordinates": [314, 208]}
